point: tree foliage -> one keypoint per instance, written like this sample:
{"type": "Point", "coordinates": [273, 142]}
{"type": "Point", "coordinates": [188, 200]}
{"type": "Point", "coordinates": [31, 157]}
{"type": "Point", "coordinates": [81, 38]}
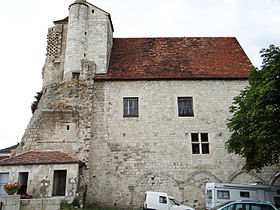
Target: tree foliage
{"type": "Point", "coordinates": [255, 125]}
{"type": "Point", "coordinates": [35, 103]}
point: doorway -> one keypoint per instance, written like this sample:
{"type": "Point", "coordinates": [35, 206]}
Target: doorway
{"type": "Point", "coordinates": [59, 182]}
{"type": "Point", "coordinates": [22, 179]}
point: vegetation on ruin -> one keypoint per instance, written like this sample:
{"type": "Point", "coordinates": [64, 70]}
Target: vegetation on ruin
{"type": "Point", "coordinates": [35, 103]}
{"type": "Point", "coordinates": [255, 125]}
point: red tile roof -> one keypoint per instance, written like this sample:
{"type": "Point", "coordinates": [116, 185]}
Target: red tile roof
{"type": "Point", "coordinates": [40, 158]}
{"type": "Point", "coordinates": [177, 58]}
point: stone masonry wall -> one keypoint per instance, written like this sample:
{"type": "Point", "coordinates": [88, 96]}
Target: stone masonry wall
{"type": "Point", "coordinates": [130, 155]}
{"type": "Point", "coordinates": [63, 120]}
{"type": "Point", "coordinates": [89, 36]}
{"type": "Point", "coordinates": [40, 178]}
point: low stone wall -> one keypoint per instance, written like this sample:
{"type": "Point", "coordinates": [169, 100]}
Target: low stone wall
{"type": "Point", "coordinates": [10, 202]}
{"type": "Point", "coordinates": [40, 203]}
{"type": "Point", "coordinates": [13, 202]}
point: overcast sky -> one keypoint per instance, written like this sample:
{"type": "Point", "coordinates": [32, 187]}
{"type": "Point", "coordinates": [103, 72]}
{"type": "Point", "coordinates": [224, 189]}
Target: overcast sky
{"type": "Point", "coordinates": [24, 26]}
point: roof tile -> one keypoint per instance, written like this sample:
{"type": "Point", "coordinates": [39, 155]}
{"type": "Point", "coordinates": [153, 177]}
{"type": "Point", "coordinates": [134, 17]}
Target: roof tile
{"type": "Point", "coordinates": [45, 157]}
{"type": "Point", "coordinates": [177, 58]}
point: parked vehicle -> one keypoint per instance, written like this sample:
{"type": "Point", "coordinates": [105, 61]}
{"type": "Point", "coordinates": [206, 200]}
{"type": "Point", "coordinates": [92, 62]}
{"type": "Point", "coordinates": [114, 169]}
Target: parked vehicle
{"type": "Point", "coordinates": [161, 201]}
{"type": "Point", "coordinates": [219, 193]}
{"type": "Point", "coordinates": [246, 205]}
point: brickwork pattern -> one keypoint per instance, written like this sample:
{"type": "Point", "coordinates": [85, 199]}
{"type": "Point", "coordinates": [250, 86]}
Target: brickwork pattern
{"type": "Point", "coordinates": [129, 156]}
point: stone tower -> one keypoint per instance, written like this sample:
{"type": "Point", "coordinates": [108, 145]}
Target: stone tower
{"type": "Point", "coordinates": [78, 48]}
{"type": "Point", "coordinates": [77, 41]}
{"type": "Point", "coordinates": [89, 37]}
{"type": "Point", "coordinates": [87, 34]}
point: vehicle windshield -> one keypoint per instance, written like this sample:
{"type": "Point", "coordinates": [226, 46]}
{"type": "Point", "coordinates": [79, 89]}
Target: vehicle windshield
{"type": "Point", "coordinates": [174, 201]}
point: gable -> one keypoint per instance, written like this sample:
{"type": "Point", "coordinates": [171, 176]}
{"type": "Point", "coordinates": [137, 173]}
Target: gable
{"type": "Point", "coordinates": [177, 58]}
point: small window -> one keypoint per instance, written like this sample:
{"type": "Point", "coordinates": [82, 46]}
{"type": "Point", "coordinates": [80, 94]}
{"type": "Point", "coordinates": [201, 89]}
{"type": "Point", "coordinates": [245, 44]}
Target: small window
{"type": "Point", "coordinates": [130, 107]}
{"type": "Point", "coordinates": [4, 178]}
{"type": "Point", "coordinates": [223, 194]}
{"type": "Point", "coordinates": [245, 194]}
{"type": "Point", "coordinates": [76, 75]}
{"type": "Point", "coordinates": [185, 107]}
{"type": "Point", "coordinates": [163, 199]}
{"type": "Point", "coordinates": [209, 194]}
{"type": "Point", "coordinates": [68, 127]}
{"type": "Point", "coordinates": [200, 143]}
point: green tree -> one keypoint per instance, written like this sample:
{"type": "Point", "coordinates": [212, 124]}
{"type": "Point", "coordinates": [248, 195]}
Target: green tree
{"type": "Point", "coordinates": [255, 125]}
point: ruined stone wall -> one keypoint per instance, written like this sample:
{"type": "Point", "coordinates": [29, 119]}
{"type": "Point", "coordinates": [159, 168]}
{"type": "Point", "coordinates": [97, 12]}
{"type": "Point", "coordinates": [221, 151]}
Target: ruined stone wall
{"type": "Point", "coordinates": [130, 155]}
{"type": "Point", "coordinates": [53, 69]}
{"type": "Point", "coordinates": [63, 120]}
{"type": "Point", "coordinates": [40, 178]}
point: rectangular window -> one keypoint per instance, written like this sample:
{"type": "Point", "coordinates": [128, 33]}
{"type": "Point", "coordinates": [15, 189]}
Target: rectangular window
{"type": "Point", "coordinates": [130, 107]}
{"type": "Point", "coordinates": [185, 106]}
{"type": "Point", "coordinates": [223, 194]}
{"type": "Point", "coordinates": [200, 143]}
{"type": "Point", "coordinates": [163, 199]}
{"type": "Point", "coordinates": [59, 182]}
{"type": "Point", "coordinates": [76, 75]}
{"type": "Point", "coordinates": [22, 179]}
{"type": "Point", "coordinates": [3, 180]}
{"type": "Point", "coordinates": [245, 194]}
{"type": "Point", "coordinates": [209, 194]}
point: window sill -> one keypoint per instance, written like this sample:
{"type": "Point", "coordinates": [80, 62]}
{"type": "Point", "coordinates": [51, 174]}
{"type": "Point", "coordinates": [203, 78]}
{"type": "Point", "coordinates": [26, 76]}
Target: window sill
{"type": "Point", "coordinates": [130, 115]}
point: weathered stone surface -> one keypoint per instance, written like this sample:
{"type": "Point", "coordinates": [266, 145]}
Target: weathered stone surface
{"type": "Point", "coordinates": [125, 156]}
{"type": "Point", "coordinates": [10, 202]}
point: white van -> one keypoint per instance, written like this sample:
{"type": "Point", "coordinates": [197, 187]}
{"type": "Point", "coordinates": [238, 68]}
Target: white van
{"type": "Point", "coordinates": [219, 193]}
{"type": "Point", "coordinates": [161, 201]}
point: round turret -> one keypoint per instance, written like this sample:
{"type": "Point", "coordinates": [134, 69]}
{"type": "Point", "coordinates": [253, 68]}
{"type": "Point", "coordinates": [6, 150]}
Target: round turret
{"type": "Point", "coordinates": [76, 43]}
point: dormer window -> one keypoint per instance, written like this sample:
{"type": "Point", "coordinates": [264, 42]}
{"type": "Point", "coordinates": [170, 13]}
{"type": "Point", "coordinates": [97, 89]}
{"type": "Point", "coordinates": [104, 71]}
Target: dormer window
{"type": "Point", "coordinates": [76, 75]}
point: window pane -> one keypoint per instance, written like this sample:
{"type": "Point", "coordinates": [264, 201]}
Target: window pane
{"type": "Point", "coordinates": [245, 194]}
{"type": "Point", "coordinates": [204, 137]}
{"type": "Point", "coordinates": [130, 106]}
{"type": "Point", "coordinates": [209, 194]}
{"type": "Point", "coordinates": [185, 106]}
{"type": "Point", "coordinates": [205, 148]}
{"type": "Point", "coordinates": [223, 194]}
{"type": "Point", "coordinates": [4, 177]}
{"type": "Point", "coordinates": [125, 106]}
{"type": "Point", "coordinates": [194, 137]}
{"type": "Point", "coordinates": [162, 199]}
{"type": "Point", "coordinates": [75, 75]}
{"type": "Point", "coordinates": [255, 207]}
{"type": "Point", "coordinates": [240, 206]}
{"type": "Point", "coordinates": [266, 207]}
{"type": "Point", "coordinates": [195, 148]}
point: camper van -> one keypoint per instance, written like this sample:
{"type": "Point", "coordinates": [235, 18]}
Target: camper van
{"type": "Point", "coordinates": [219, 193]}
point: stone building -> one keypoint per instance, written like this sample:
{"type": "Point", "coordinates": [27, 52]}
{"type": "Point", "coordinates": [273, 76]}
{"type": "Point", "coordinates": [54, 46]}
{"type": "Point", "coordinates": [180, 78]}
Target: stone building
{"type": "Point", "coordinates": [129, 115]}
